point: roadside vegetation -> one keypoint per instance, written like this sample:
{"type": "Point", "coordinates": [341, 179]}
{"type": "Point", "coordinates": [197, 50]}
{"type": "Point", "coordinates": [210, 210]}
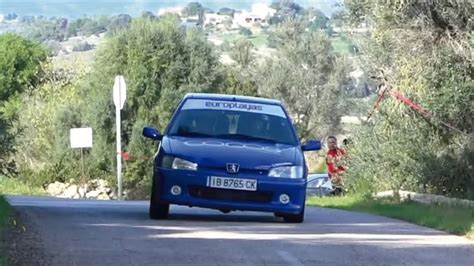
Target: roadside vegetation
{"type": "Point", "coordinates": [161, 61]}
{"type": "Point", "coordinates": [15, 186]}
{"type": "Point", "coordinates": [424, 52]}
{"type": "Point", "coordinates": [427, 58]}
{"type": "Point", "coordinates": [457, 220]}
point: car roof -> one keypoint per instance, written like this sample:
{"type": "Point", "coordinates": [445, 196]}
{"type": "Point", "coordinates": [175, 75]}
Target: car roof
{"type": "Point", "coordinates": [231, 97]}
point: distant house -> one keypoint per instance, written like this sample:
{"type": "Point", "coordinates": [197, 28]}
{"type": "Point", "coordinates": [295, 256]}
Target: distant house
{"type": "Point", "coordinates": [2, 18]}
{"type": "Point", "coordinates": [172, 10]}
{"type": "Point", "coordinates": [258, 15]}
{"type": "Point", "coordinates": [215, 19]}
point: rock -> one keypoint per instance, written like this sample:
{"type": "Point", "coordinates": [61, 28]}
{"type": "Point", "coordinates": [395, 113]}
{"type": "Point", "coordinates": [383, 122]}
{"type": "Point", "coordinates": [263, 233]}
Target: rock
{"type": "Point", "coordinates": [92, 194]}
{"type": "Point", "coordinates": [56, 188]}
{"type": "Point", "coordinates": [102, 184]}
{"type": "Point", "coordinates": [82, 191]}
{"type": "Point", "coordinates": [70, 191]}
{"type": "Point", "coordinates": [113, 195]}
{"type": "Point", "coordinates": [103, 196]}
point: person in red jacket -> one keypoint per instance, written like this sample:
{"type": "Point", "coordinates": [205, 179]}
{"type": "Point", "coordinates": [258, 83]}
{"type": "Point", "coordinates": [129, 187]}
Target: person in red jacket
{"type": "Point", "coordinates": [334, 161]}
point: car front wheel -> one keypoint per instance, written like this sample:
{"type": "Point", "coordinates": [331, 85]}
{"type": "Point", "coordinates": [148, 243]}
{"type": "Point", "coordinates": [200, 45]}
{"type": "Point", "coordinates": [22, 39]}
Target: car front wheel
{"type": "Point", "coordinates": [294, 218]}
{"type": "Point", "coordinates": [158, 210]}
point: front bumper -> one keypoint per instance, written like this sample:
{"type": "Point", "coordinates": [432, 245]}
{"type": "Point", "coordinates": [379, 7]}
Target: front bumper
{"type": "Point", "coordinates": [195, 193]}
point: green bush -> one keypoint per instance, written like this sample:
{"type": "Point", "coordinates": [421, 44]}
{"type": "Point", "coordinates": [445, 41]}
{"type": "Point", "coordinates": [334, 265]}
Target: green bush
{"type": "Point", "coordinates": [244, 31]}
{"type": "Point", "coordinates": [401, 148]}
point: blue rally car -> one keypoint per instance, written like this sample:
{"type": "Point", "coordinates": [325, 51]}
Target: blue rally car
{"type": "Point", "coordinates": [229, 153]}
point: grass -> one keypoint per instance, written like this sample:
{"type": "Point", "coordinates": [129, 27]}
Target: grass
{"type": "Point", "coordinates": [259, 40]}
{"type": "Point", "coordinates": [4, 215]}
{"type": "Point", "coordinates": [452, 219]}
{"type": "Point", "coordinates": [341, 45]}
{"type": "Point", "coordinates": [13, 186]}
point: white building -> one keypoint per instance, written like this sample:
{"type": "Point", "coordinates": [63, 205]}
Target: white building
{"type": "Point", "coordinates": [258, 15]}
{"type": "Point", "coordinates": [215, 19]}
{"type": "Point", "coordinates": [173, 10]}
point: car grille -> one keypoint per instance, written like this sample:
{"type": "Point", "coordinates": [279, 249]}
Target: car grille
{"type": "Point", "coordinates": [229, 194]}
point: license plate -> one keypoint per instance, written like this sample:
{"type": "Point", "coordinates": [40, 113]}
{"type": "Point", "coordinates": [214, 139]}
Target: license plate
{"type": "Point", "coordinates": [232, 183]}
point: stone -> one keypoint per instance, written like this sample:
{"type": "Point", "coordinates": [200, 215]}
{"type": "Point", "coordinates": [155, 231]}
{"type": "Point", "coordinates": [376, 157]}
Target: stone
{"type": "Point", "coordinates": [92, 194]}
{"type": "Point", "coordinates": [70, 191]}
{"type": "Point", "coordinates": [56, 188]}
{"type": "Point", "coordinates": [103, 196]}
{"type": "Point", "coordinates": [102, 184]}
{"type": "Point", "coordinates": [82, 192]}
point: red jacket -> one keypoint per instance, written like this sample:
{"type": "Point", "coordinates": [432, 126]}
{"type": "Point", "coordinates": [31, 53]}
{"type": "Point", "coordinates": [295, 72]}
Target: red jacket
{"type": "Point", "coordinates": [334, 161]}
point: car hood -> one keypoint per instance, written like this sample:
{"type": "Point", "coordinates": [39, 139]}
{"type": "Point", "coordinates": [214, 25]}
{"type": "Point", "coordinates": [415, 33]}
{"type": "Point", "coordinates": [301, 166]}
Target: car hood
{"type": "Point", "coordinates": [219, 152]}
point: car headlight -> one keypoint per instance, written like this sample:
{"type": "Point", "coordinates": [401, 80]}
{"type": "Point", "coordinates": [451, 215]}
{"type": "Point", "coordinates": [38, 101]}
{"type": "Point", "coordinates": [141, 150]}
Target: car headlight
{"type": "Point", "coordinates": [178, 163]}
{"type": "Point", "coordinates": [287, 171]}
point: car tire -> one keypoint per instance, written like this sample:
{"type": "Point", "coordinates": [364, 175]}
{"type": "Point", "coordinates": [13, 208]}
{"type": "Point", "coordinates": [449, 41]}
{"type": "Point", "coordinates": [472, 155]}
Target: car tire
{"type": "Point", "coordinates": [278, 214]}
{"type": "Point", "coordinates": [158, 210]}
{"type": "Point", "coordinates": [294, 218]}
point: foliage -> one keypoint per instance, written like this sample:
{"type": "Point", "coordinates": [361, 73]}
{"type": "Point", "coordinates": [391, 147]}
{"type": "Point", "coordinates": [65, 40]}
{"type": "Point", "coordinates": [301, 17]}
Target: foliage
{"type": "Point", "coordinates": [119, 22]}
{"type": "Point", "coordinates": [286, 8]}
{"type": "Point", "coordinates": [424, 51]}
{"type": "Point", "coordinates": [239, 81]}
{"type": "Point", "coordinates": [194, 9]}
{"type": "Point", "coordinates": [245, 31]}
{"type": "Point", "coordinates": [16, 186]}
{"type": "Point", "coordinates": [242, 53]}
{"type": "Point", "coordinates": [318, 20]}
{"type": "Point", "coordinates": [47, 29]}
{"type": "Point", "coordinates": [308, 77]}
{"type": "Point", "coordinates": [227, 11]}
{"type": "Point", "coordinates": [87, 26]}
{"type": "Point", "coordinates": [21, 69]}
{"type": "Point", "coordinates": [161, 62]}
{"type": "Point", "coordinates": [51, 110]}
{"type": "Point", "coordinates": [338, 18]}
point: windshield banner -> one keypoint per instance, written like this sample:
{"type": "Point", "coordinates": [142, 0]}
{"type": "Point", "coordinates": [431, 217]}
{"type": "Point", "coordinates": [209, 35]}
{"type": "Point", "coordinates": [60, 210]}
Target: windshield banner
{"type": "Point", "coordinates": [268, 109]}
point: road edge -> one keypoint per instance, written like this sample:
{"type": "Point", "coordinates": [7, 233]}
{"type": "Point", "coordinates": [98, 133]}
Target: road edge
{"type": "Point", "coordinates": [23, 244]}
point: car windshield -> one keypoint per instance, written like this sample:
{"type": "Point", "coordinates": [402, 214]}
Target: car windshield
{"type": "Point", "coordinates": [233, 125]}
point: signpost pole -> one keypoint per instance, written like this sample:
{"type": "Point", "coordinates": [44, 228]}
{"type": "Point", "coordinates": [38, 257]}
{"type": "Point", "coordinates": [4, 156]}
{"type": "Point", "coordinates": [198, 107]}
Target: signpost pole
{"type": "Point", "coordinates": [81, 138]}
{"type": "Point", "coordinates": [119, 151]}
{"type": "Point", "coordinates": [84, 183]}
{"type": "Point", "coordinates": [119, 95]}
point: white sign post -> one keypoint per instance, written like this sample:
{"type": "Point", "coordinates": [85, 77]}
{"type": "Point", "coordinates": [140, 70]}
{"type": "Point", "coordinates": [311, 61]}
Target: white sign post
{"type": "Point", "coordinates": [119, 95]}
{"type": "Point", "coordinates": [81, 138]}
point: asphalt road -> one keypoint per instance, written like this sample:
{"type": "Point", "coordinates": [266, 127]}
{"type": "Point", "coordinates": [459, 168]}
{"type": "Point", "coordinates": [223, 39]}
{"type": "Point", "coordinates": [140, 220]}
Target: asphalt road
{"type": "Point", "coordinates": [86, 232]}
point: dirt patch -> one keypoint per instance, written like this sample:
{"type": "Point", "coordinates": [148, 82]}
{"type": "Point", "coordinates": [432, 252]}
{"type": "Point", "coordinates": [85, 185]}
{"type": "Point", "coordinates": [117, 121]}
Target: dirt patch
{"type": "Point", "coordinates": [23, 245]}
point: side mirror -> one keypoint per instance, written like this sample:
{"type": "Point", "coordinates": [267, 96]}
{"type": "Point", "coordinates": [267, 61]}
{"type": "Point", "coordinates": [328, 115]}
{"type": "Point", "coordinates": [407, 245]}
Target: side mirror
{"type": "Point", "coordinates": [152, 133]}
{"type": "Point", "coordinates": [311, 145]}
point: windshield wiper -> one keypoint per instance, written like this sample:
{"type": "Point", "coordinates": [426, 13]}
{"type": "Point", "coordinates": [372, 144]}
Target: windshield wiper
{"type": "Point", "coordinates": [245, 137]}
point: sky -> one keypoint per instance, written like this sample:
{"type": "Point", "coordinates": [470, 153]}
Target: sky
{"type": "Point", "coordinates": [79, 8]}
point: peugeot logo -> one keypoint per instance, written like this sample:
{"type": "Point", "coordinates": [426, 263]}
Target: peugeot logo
{"type": "Point", "coordinates": [232, 168]}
